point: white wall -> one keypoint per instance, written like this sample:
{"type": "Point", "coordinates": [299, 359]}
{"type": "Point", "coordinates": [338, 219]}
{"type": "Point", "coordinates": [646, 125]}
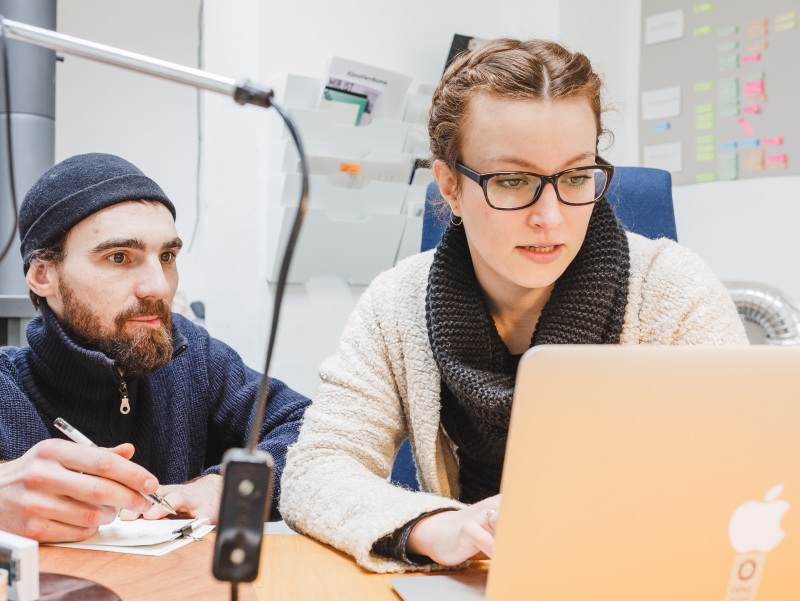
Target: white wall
{"type": "Point", "coordinates": [412, 37]}
{"type": "Point", "coordinates": [151, 122]}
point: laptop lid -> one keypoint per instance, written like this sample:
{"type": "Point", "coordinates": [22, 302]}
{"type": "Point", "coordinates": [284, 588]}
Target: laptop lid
{"type": "Point", "coordinates": [655, 473]}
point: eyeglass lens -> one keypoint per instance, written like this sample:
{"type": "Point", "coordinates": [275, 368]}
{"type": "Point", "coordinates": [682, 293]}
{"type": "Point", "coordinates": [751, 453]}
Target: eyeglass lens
{"type": "Point", "coordinates": [511, 190]}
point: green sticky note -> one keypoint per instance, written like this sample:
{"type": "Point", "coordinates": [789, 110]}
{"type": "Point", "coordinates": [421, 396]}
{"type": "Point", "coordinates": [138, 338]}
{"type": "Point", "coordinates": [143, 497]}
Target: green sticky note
{"type": "Point", "coordinates": [707, 139]}
{"type": "Point", "coordinates": [729, 165]}
{"type": "Point", "coordinates": [704, 148]}
{"type": "Point", "coordinates": [727, 63]}
{"type": "Point", "coordinates": [754, 76]}
{"type": "Point", "coordinates": [702, 30]}
{"type": "Point", "coordinates": [704, 108]}
{"type": "Point", "coordinates": [704, 117]}
{"type": "Point", "coordinates": [702, 87]}
{"type": "Point", "coordinates": [729, 111]}
{"type": "Point", "coordinates": [706, 177]}
{"type": "Point", "coordinates": [701, 8]}
{"type": "Point", "coordinates": [728, 30]}
{"type": "Point", "coordinates": [728, 46]}
{"type": "Point", "coordinates": [705, 156]}
{"type": "Point", "coordinates": [701, 125]}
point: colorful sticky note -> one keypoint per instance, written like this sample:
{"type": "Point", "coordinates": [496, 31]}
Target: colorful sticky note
{"type": "Point", "coordinates": [701, 8]}
{"type": "Point", "coordinates": [753, 108]}
{"type": "Point", "coordinates": [754, 87]}
{"type": "Point", "coordinates": [706, 177]}
{"type": "Point", "coordinates": [787, 16]}
{"type": "Point", "coordinates": [754, 32]}
{"type": "Point", "coordinates": [785, 26]}
{"type": "Point", "coordinates": [728, 30]}
{"type": "Point", "coordinates": [776, 158]}
{"type": "Point", "coordinates": [729, 111]}
{"type": "Point", "coordinates": [745, 125]}
{"type": "Point", "coordinates": [754, 24]}
{"type": "Point", "coordinates": [728, 46]}
{"type": "Point", "coordinates": [754, 160]}
{"type": "Point", "coordinates": [702, 30]}
{"type": "Point", "coordinates": [729, 165]}
{"type": "Point", "coordinates": [703, 148]}
{"type": "Point", "coordinates": [749, 143]}
{"type": "Point", "coordinates": [754, 76]}
{"type": "Point", "coordinates": [777, 165]}
{"type": "Point", "coordinates": [661, 126]}
{"type": "Point", "coordinates": [750, 58]}
{"type": "Point", "coordinates": [728, 63]}
{"type": "Point", "coordinates": [704, 108]}
{"type": "Point", "coordinates": [350, 167]}
{"type": "Point", "coordinates": [705, 156]}
{"type": "Point", "coordinates": [702, 87]}
{"type": "Point", "coordinates": [701, 125]}
{"type": "Point", "coordinates": [776, 141]}
{"type": "Point", "coordinates": [706, 139]}
{"type": "Point", "coordinates": [758, 46]}
{"type": "Point", "coordinates": [727, 145]}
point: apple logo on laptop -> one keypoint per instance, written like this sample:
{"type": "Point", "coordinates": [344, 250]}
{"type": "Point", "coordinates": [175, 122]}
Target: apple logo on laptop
{"type": "Point", "coordinates": [756, 526]}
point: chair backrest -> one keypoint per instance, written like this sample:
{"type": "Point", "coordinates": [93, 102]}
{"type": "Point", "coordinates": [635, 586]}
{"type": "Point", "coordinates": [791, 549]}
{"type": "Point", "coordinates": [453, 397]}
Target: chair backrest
{"type": "Point", "coordinates": [641, 197]}
{"type": "Point", "coordinates": [642, 200]}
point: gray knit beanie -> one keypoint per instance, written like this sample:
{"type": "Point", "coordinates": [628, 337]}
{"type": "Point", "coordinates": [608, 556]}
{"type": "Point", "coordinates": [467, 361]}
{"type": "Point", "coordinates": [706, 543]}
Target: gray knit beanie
{"type": "Point", "coordinates": [75, 189]}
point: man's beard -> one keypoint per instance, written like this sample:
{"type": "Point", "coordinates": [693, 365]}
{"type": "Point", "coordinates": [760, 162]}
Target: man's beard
{"type": "Point", "coordinates": [135, 353]}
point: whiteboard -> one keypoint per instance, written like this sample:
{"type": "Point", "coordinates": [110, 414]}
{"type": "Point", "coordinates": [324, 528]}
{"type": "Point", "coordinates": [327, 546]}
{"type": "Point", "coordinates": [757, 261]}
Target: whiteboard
{"type": "Point", "coordinates": [719, 89]}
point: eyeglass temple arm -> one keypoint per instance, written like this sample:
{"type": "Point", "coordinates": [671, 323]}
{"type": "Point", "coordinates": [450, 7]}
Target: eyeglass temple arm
{"type": "Point", "coordinates": [473, 175]}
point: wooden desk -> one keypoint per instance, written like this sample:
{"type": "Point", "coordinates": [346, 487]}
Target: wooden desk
{"type": "Point", "coordinates": [293, 568]}
{"type": "Point", "coordinates": [182, 574]}
{"type": "Point", "coordinates": [297, 568]}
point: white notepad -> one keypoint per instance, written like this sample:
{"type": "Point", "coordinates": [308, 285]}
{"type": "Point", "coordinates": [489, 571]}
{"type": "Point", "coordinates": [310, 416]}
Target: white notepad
{"type": "Point", "coordinates": [142, 537]}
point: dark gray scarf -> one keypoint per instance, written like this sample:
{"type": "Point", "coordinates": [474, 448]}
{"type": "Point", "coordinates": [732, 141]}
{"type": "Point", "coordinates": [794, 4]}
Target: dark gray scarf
{"type": "Point", "coordinates": [586, 306]}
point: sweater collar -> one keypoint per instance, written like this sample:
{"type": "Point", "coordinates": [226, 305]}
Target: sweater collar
{"type": "Point", "coordinates": [72, 369]}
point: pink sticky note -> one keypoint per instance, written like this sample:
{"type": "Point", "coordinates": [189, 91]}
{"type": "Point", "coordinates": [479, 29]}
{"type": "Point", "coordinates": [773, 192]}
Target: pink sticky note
{"type": "Point", "coordinates": [750, 58]}
{"type": "Point", "coordinates": [746, 126]}
{"type": "Point", "coordinates": [776, 141]}
{"type": "Point", "coordinates": [754, 87]}
{"type": "Point", "coordinates": [776, 158]}
{"type": "Point", "coordinates": [753, 108]}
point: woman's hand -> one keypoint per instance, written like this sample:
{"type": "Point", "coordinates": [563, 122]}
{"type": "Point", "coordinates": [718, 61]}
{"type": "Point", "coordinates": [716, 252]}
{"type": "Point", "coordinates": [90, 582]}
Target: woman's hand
{"type": "Point", "coordinates": [452, 537]}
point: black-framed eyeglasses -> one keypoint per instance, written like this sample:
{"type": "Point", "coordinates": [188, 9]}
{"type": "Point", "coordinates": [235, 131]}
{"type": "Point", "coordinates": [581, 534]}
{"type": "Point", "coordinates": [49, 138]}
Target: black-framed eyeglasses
{"type": "Point", "coordinates": [514, 190]}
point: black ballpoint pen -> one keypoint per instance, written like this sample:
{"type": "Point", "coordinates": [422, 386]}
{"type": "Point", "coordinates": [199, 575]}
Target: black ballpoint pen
{"type": "Point", "coordinates": [78, 437]}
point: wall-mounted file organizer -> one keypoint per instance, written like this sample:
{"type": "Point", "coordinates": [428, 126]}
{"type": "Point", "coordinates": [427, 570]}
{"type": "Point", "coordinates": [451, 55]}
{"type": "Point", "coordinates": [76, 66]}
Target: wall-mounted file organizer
{"type": "Point", "coordinates": [363, 214]}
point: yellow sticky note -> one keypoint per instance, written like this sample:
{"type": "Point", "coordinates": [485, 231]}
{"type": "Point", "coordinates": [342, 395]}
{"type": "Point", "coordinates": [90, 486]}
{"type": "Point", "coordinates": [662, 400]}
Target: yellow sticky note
{"type": "Point", "coordinates": [702, 30]}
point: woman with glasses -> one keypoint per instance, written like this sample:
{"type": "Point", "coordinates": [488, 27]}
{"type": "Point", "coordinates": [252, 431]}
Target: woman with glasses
{"type": "Point", "coordinates": [534, 254]}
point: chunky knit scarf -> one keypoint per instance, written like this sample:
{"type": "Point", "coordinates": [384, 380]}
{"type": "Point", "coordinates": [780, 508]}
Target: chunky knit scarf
{"type": "Point", "coordinates": [586, 306]}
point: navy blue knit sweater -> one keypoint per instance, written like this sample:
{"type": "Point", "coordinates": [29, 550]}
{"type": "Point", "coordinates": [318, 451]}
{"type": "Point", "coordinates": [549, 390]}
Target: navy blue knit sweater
{"type": "Point", "coordinates": [182, 418]}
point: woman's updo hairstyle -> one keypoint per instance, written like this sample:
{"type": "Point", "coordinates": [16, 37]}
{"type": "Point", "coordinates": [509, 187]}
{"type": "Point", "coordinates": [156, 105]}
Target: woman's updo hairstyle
{"type": "Point", "coordinates": [508, 68]}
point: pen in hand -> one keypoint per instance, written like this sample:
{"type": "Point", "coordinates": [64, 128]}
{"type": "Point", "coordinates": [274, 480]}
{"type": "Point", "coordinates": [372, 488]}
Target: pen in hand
{"type": "Point", "coordinates": [78, 437]}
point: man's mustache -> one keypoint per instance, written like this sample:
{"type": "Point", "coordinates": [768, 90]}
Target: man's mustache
{"type": "Point", "coordinates": [145, 308]}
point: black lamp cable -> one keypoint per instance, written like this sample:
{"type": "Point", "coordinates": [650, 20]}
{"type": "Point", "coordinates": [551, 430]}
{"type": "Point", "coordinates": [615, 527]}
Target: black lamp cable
{"type": "Point", "coordinates": [258, 415]}
{"type": "Point", "coordinates": [10, 146]}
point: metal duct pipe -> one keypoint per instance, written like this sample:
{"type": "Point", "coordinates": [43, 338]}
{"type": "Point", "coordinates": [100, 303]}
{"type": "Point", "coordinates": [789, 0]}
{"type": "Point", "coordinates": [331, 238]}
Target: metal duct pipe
{"type": "Point", "coordinates": [768, 308]}
{"type": "Point", "coordinates": [32, 74]}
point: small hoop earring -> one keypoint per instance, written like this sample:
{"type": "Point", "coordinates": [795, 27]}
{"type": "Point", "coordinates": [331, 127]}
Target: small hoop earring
{"type": "Point", "coordinates": [453, 220]}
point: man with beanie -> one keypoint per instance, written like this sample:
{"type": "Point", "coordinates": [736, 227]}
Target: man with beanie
{"type": "Point", "coordinates": [161, 398]}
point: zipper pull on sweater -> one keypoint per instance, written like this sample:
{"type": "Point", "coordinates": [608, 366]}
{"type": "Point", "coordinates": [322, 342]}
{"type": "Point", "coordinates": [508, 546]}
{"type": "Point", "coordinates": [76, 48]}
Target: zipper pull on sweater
{"type": "Point", "coordinates": [125, 407]}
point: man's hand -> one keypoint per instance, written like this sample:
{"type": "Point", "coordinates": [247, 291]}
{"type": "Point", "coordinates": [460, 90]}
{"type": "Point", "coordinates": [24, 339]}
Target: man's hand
{"type": "Point", "coordinates": [196, 499]}
{"type": "Point", "coordinates": [452, 537]}
{"type": "Point", "coordinates": [60, 491]}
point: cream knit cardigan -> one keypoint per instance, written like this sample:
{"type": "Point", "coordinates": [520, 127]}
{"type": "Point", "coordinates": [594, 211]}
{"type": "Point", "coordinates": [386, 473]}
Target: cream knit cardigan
{"type": "Point", "coordinates": [383, 385]}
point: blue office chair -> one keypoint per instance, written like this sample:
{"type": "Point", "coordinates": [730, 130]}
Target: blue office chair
{"type": "Point", "coordinates": [642, 200]}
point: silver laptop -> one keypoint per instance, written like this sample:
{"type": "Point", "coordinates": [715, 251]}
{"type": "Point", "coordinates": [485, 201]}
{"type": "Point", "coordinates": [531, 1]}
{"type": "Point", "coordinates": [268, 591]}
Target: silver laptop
{"type": "Point", "coordinates": [655, 473]}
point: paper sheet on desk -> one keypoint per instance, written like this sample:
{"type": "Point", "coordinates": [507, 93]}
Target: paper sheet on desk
{"type": "Point", "coordinates": [139, 537]}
